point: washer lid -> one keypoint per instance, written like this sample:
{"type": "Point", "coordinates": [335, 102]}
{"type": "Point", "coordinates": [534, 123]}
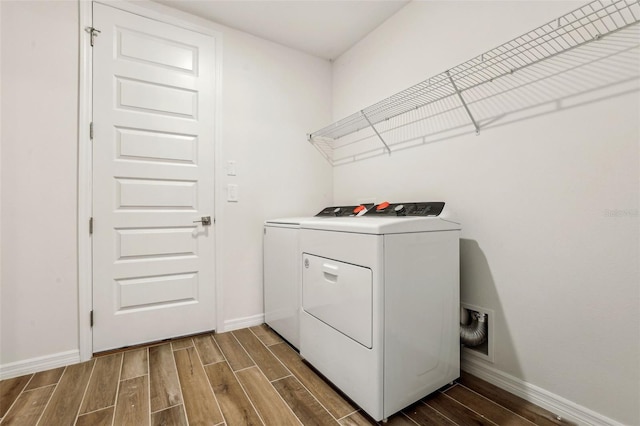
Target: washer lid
{"type": "Point", "coordinates": [287, 221]}
{"type": "Point", "coordinates": [382, 225]}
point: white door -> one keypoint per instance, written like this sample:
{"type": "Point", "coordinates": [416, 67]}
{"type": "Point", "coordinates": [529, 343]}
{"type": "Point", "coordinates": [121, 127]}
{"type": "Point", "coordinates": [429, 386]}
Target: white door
{"type": "Point", "coordinates": [153, 171]}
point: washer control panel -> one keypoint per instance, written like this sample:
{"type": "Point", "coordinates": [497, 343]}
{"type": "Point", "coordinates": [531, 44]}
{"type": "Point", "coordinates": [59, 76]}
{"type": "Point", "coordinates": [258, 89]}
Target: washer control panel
{"type": "Point", "coordinates": [338, 211]}
{"type": "Point", "coordinates": [428, 208]}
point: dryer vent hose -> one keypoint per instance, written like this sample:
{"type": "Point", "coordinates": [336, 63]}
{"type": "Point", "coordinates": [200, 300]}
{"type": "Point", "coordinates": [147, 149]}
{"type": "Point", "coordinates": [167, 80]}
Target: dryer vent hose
{"type": "Point", "coordinates": [474, 334]}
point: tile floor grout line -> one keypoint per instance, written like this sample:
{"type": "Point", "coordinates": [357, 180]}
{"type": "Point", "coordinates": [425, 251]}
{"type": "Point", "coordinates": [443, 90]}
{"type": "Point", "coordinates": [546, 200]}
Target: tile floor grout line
{"type": "Point", "coordinates": [295, 377]}
{"type": "Point", "coordinates": [132, 377]}
{"type": "Point", "coordinates": [162, 409]}
{"type": "Point", "coordinates": [20, 394]}
{"type": "Point", "coordinates": [268, 350]}
{"type": "Point", "coordinates": [148, 387]}
{"type": "Point", "coordinates": [320, 402]}
{"type": "Point", "coordinates": [347, 415]}
{"type": "Point", "coordinates": [262, 341]}
{"type": "Point", "coordinates": [408, 418]}
{"type": "Point", "coordinates": [245, 351]}
{"type": "Point", "coordinates": [215, 398]}
{"type": "Point", "coordinates": [262, 372]}
{"type": "Point", "coordinates": [471, 409]}
{"type": "Point", "coordinates": [95, 411]}
{"type": "Point", "coordinates": [448, 386]}
{"type": "Point", "coordinates": [84, 394]}
{"type": "Point", "coordinates": [198, 350]}
{"type": "Point", "coordinates": [115, 399]}
{"type": "Point", "coordinates": [280, 396]}
{"type": "Point", "coordinates": [50, 396]}
{"type": "Point", "coordinates": [213, 338]}
{"type": "Point", "coordinates": [175, 366]}
{"type": "Point", "coordinates": [282, 378]}
{"type": "Point", "coordinates": [33, 375]}
{"type": "Point", "coordinates": [240, 382]}
{"type": "Point", "coordinates": [35, 389]}
{"type": "Point", "coordinates": [244, 390]}
{"type": "Point", "coordinates": [440, 412]}
{"type": "Point", "coordinates": [494, 402]}
{"type": "Point", "coordinates": [241, 369]}
{"type": "Point", "coordinates": [186, 347]}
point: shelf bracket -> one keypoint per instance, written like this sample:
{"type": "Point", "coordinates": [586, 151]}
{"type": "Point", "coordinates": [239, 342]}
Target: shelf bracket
{"type": "Point", "coordinates": [464, 104]}
{"type": "Point", "coordinates": [375, 130]}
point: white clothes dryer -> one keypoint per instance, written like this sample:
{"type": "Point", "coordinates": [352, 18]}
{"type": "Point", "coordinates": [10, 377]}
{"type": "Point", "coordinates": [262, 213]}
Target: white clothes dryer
{"type": "Point", "coordinates": [380, 303]}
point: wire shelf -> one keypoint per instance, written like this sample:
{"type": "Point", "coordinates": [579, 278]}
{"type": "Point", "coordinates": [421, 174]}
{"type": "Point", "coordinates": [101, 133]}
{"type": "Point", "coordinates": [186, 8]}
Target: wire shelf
{"type": "Point", "coordinates": [584, 25]}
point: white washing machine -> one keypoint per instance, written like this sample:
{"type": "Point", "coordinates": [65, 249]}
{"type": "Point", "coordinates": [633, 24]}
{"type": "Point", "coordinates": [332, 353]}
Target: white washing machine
{"type": "Point", "coordinates": [381, 303]}
{"type": "Point", "coordinates": [282, 270]}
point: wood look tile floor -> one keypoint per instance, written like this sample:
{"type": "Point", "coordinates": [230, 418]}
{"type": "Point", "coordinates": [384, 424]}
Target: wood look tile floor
{"type": "Point", "coordinates": [244, 377]}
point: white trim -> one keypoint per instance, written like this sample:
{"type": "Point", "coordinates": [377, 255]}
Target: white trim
{"type": "Point", "coordinates": [85, 270]}
{"type": "Point", "coordinates": [41, 363]}
{"type": "Point", "coordinates": [218, 201]}
{"type": "Point", "coordinates": [159, 13]}
{"type": "Point", "coordinates": [238, 323]}
{"type": "Point", "coordinates": [556, 404]}
{"type": "Point", "coordinates": [1, 117]}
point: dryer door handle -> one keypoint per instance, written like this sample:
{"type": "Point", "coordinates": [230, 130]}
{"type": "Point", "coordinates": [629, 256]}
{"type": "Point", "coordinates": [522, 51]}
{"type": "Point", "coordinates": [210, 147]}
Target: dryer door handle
{"type": "Point", "coordinates": [330, 272]}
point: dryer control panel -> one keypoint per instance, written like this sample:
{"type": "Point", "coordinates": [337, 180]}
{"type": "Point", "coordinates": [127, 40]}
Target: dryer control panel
{"type": "Point", "coordinates": [425, 208]}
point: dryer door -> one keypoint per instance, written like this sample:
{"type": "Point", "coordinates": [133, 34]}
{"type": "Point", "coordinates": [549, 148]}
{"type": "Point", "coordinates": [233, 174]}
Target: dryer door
{"type": "Point", "coordinates": [340, 295]}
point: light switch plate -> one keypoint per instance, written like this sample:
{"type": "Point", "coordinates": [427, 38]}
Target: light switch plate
{"type": "Point", "coordinates": [232, 192]}
{"type": "Point", "coordinates": [231, 167]}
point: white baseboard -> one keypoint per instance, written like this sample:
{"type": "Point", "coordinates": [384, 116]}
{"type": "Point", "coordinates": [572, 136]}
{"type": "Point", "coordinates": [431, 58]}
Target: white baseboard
{"type": "Point", "coordinates": [556, 404]}
{"type": "Point", "coordinates": [42, 363]}
{"type": "Point", "coordinates": [237, 323]}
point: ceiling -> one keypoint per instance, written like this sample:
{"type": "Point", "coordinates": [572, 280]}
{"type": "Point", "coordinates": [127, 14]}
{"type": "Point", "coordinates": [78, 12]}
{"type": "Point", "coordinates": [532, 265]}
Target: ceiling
{"type": "Point", "coordinates": [325, 29]}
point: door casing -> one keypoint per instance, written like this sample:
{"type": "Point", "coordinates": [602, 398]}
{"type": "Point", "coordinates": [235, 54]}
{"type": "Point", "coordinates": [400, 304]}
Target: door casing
{"type": "Point", "coordinates": [85, 170]}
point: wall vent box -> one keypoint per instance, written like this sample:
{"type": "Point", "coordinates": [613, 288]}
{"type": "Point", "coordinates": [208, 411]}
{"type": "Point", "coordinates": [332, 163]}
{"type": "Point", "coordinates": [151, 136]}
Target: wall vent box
{"type": "Point", "coordinates": [484, 350]}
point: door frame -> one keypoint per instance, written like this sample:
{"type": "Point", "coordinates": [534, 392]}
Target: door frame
{"type": "Point", "coordinates": [163, 14]}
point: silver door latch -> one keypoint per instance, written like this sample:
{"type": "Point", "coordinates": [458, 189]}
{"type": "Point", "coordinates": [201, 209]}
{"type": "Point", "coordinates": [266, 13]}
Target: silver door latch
{"type": "Point", "coordinates": [204, 220]}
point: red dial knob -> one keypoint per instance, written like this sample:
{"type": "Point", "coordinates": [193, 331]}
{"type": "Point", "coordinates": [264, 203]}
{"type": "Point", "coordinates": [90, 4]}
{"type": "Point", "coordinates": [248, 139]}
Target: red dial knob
{"type": "Point", "coordinates": [359, 209]}
{"type": "Point", "coordinates": [382, 205]}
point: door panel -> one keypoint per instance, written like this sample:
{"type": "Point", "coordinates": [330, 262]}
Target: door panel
{"type": "Point", "coordinates": [156, 194]}
{"type": "Point", "coordinates": [147, 242]}
{"type": "Point", "coordinates": [153, 266]}
{"type": "Point", "coordinates": [143, 47]}
{"type": "Point", "coordinates": [154, 146]}
{"type": "Point", "coordinates": [155, 98]}
{"type": "Point", "coordinates": [157, 291]}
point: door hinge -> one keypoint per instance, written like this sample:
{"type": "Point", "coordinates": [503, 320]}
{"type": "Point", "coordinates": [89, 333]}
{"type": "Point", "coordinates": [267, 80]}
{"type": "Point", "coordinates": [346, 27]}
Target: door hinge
{"type": "Point", "coordinates": [90, 225]}
{"type": "Point", "coordinates": [93, 34]}
{"type": "Point", "coordinates": [91, 130]}
{"type": "Point", "coordinates": [91, 319]}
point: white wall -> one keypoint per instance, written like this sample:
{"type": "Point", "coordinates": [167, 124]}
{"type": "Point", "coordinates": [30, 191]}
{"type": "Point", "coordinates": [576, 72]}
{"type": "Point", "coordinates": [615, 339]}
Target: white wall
{"type": "Point", "coordinates": [539, 245]}
{"type": "Point", "coordinates": [271, 97]}
{"type": "Point", "coordinates": [39, 165]}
